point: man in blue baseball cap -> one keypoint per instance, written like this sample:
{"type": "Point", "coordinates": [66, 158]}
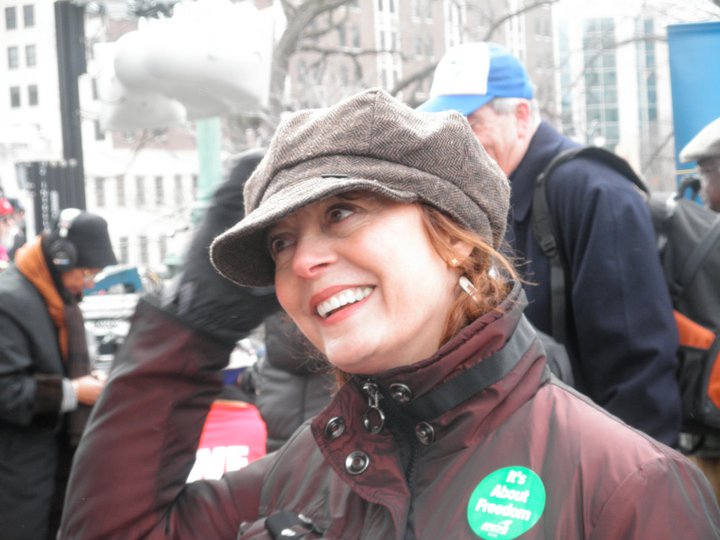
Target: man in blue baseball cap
{"type": "Point", "coordinates": [619, 333]}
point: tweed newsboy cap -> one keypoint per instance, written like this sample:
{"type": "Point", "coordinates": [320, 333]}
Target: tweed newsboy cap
{"type": "Point", "coordinates": [367, 142]}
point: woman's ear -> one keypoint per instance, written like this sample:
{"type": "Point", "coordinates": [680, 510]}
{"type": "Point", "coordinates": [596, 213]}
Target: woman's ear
{"type": "Point", "coordinates": [461, 251]}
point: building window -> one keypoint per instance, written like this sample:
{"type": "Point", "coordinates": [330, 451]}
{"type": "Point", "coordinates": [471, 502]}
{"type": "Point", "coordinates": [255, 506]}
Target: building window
{"type": "Point", "coordinates": [342, 37]}
{"type": "Point", "coordinates": [99, 133]}
{"type": "Point", "coordinates": [429, 47]}
{"type": "Point", "coordinates": [123, 250]}
{"type": "Point", "coordinates": [29, 15]}
{"type": "Point", "coordinates": [14, 97]}
{"type": "Point", "coordinates": [123, 243]}
{"type": "Point", "coordinates": [30, 56]}
{"type": "Point", "coordinates": [13, 58]}
{"type": "Point", "coordinates": [159, 192]}
{"type": "Point", "coordinates": [10, 18]}
{"type": "Point", "coordinates": [144, 252]}
{"type": "Point", "coordinates": [418, 45]}
{"type": "Point", "coordinates": [163, 245]}
{"type": "Point", "coordinates": [120, 190]}
{"type": "Point", "coordinates": [32, 95]}
{"type": "Point", "coordinates": [178, 190]}
{"type": "Point", "coordinates": [428, 9]}
{"type": "Point", "coordinates": [601, 91]}
{"type": "Point", "coordinates": [140, 191]}
{"type": "Point", "coordinates": [100, 192]}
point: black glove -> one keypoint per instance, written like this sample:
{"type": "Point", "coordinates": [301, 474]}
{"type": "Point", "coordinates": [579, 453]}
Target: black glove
{"type": "Point", "coordinates": [205, 299]}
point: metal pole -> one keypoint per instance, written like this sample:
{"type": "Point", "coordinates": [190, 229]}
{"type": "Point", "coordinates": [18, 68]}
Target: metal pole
{"type": "Point", "coordinates": [70, 38]}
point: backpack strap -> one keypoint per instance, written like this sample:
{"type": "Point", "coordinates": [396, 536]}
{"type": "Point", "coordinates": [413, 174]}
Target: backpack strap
{"type": "Point", "coordinates": [544, 229]}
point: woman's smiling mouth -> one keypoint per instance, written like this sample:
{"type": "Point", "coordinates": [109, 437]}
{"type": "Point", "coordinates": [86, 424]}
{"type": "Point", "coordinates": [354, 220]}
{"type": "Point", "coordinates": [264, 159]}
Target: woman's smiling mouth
{"type": "Point", "coordinates": [341, 299]}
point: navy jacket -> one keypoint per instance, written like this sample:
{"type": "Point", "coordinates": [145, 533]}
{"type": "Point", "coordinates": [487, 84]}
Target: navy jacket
{"type": "Point", "coordinates": [621, 337]}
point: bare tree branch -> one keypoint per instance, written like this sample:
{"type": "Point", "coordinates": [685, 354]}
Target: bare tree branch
{"type": "Point", "coordinates": [310, 34]}
{"type": "Point", "coordinates": [505, 18]}
{"type": "Point", "coordinates": [326, 52]}
{"type": "Point", "coordinates": [424, 73]}
{"type": "Point", "coordinates": [298, 19]}
{"type": "Point", "coordinates": [611, 47]}
{"type": "Point", "coordinates": [658, 150]}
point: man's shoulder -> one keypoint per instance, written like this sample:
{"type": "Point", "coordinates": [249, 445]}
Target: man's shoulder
{"type": "Point", "coordinates": [10, 281]}
{"type": "Point", "coordinates": [583, 171]}
{"type": "Point", "coordinates": [589, 181]}
{"type": "Point", "coordinates": [16, 291]}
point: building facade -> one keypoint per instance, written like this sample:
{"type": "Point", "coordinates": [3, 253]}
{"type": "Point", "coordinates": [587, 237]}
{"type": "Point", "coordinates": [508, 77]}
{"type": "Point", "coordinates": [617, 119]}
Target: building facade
{"type": "Point", "coordinates": [615, 89]}
{"type": "Point", "coordinates": [395, 44]}
{"type": "Point", "coordinates": [143, 182]}
{"type": "Point", "coordinates": [601, 77]}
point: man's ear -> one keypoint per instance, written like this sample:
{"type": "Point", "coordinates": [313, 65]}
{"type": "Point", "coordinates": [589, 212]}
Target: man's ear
{"type": "Point", "coordinates": [523, 119]}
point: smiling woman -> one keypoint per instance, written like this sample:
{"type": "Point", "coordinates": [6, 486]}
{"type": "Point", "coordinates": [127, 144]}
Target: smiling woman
{"type": "Point", "coordinates": [380, 227]}
{"type": "Point", "coordinates": [363, 282]}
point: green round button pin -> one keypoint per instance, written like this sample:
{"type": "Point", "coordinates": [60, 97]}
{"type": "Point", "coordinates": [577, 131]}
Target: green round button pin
{"type": "Point", "coordinates": [506, 503]}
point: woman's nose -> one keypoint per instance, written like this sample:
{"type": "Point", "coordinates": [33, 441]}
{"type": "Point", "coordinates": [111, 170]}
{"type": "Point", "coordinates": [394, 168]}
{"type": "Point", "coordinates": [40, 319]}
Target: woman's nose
{"type": "Point", "coordinates": [313, 253]}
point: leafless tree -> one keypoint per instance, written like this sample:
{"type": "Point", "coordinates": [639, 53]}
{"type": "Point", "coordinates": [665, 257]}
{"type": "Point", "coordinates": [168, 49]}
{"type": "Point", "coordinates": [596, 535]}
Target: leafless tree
{"type": "Point", "coordinates": [308, 21]}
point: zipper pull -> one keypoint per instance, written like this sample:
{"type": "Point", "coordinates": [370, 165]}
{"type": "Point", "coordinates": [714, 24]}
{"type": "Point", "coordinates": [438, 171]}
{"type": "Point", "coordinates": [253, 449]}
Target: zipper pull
{"type": "Point", "coordinates": [374, 418]}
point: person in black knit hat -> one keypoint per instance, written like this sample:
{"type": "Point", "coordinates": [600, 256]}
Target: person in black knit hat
{"type": "Point", "coordinates": [46, 385]}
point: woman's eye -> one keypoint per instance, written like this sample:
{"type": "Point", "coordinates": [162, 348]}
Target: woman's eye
{"type": "Point", "coordinates": [338, 213]}
{"type": "Point", "coordinates": [279, 244]}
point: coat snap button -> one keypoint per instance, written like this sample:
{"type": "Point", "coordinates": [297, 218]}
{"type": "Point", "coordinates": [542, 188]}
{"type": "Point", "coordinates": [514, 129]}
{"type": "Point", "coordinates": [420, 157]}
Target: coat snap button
{"type": "Point", "coordinates": [401, 392]}
{"type": "Point", "coordinates": [425, 433]}
{"type": "Point", "coordinates": [357, 462]}
{"type": "Point", "coordinates": [334, 428]}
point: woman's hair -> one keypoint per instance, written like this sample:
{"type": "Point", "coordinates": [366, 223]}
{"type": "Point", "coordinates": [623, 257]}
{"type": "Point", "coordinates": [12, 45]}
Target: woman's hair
{"type": "Point", "coordinates": [490, 272]}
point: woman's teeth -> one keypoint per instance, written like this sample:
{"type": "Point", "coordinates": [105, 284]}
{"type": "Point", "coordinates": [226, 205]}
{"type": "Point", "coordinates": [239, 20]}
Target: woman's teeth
{"type": "Point", "coordinates": [348, 296]}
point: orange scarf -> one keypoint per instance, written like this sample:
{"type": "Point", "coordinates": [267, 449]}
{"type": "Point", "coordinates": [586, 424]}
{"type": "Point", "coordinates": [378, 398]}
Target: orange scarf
{"type": "Point", "coordinates": [30, 260]}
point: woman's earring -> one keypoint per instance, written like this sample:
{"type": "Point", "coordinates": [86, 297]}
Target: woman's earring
{"type": "Point", "coordinates": [454, 262]}
{"type": "Point", "coordinates": [467, 286]}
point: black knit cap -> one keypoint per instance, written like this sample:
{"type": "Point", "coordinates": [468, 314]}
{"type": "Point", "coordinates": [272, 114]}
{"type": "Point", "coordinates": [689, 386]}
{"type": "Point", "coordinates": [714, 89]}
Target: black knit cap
{"type": "Point", "coordinates": [89, 234]}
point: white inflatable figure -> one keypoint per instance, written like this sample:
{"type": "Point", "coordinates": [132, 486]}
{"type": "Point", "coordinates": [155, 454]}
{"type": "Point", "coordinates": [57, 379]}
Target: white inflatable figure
{"type": "Point", "coordinates": [212, 57]}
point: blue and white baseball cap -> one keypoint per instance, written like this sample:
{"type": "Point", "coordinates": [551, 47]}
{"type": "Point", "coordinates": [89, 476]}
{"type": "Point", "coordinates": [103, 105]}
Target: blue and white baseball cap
{"type": "Point", "coordinates": [472, 74]}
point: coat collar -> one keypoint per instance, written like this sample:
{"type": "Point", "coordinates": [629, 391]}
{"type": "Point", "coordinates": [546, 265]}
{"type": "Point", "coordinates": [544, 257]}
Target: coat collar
{"type": "Point", "coordinates": [472, 345]}
{"type": "Point", "coordinates": [367, 459]}
{"type": "Point", "coordinates": [544, 145]}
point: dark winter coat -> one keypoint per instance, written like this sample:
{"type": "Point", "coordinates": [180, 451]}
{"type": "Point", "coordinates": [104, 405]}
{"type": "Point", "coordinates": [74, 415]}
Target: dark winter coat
{"type": "Point", "coordinates": [31, 371]}
{"type": "Point", "coordinates": [478, 437]}
{"type": "Point", "coordinates": [622, 336]}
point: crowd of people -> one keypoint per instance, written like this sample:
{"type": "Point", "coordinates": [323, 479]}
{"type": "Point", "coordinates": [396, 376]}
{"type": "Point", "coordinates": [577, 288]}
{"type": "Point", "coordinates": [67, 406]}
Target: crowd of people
{"type": "Point", "coordinates": [389, 252]}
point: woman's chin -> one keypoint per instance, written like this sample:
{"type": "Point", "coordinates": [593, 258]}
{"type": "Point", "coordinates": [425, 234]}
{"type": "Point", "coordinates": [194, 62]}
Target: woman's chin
{"type": "Point", "coordinates": [353, 364]}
